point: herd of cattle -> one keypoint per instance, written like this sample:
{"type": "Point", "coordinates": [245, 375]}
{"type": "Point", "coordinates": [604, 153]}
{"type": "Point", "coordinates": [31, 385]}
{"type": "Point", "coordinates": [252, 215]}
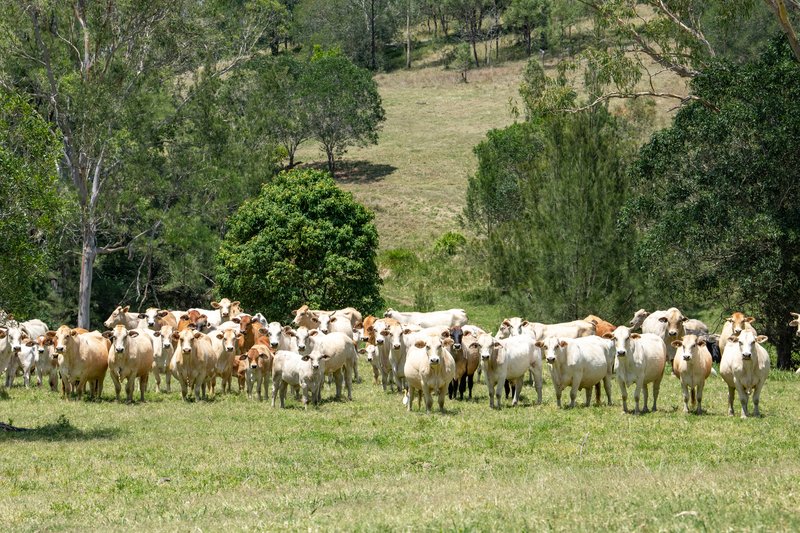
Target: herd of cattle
{"type": "Point", "coordinates": [418, 354]}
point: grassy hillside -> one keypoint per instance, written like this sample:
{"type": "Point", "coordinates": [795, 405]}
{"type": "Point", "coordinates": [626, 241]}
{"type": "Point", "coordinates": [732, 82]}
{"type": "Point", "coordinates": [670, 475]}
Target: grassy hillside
{"type": "Point", "coordinates": [368, 465]}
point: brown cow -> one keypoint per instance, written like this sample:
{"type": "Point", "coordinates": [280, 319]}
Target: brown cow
{"type": "Point", "coordinates": [258, 369]}
{"type": "Point", "coordinates": [82, 360]}
{"type": "Point", "coordinates": [601, 326]}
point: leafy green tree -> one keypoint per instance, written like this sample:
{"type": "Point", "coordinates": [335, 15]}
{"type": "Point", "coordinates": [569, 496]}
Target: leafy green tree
{"type": "Point", "coordinates": [716, 199]}
{"type": "Point", "coordinates": [31, 205]}
{"type": "Point", "coordinates": [342, 102]}
{"type": "Point", "coordinates": [303, 240]}
{"type": "Point", "coordinates": [526, 16]}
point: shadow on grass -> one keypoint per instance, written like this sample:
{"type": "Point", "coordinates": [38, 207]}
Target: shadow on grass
{"type": "Point", "coordinates": [61, 430]}
{"type": "Point", "coordinates": [357, 171]}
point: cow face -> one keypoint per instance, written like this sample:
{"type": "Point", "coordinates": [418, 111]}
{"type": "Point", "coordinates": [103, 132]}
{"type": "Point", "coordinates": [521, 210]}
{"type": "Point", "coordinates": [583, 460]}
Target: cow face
{"type": "Point", "coordinates": [746, 340]}
{"type": "Point", "coordinates": [324, 324]}
{"type": "Point", "coordinates": [687, 348]}
{"type": "Point", "coordinates": [622, 338]}
{"type": "Point", "coordinates": [118, 336]}
{"type": "Point", "coordinates": [457, 334]}
{"type": "Point", "coordinates": [318, 359]}
{"type": "Point", "coordinates": [553, 348]}
{"type": "Point", "coordinates": [229, 339]}
{"type": "Point", "coordinates": [485, 344]}
{"type": "Point", "coordinates": [254, 357]}
{"type": "Point", "coordinates": [165, 333]}
{"type": "Point", "coordinates": [371, 352]}
{"type": "Point", "coordinates": [796, 323]}
{"type": "Point", "coordinates": [16, 338]}
{"type": "Point", "coordinates": [435, 347]}
{"type": "Point", "coordinates": [63, 337]}
{"type": "Point", "coordinates": [674, 320]}
{"type": "Point", "coordinates": [150, 316]}
{"type": "Point", "coordinates": [638, 318]}
{"type": "Point", "coordinates": [116, 317]}
{"type": "Point", "coordinates": [275, 332]}
{"type": "Point", "coordinates": [185, 339]}
{"type": "Point", "coordinates": [389, 312]}
{"type": "Point", "coordinates": [302, 335]}
{"type": "Point", "coordinates": [224, 308]}
{"type": "Point", "coordinates": [511, 327]}
{"type": "Point", "coordinates": [739, 322]}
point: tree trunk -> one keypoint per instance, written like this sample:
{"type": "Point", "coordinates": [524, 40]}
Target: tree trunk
{"type": "Point", "coordinates": [88, 255]}
{"type": "Point", "coordinates": [372, 49]}
{"type": "Point", "coordinates": [475, 52]}
{"type": "Point", "coordinates": [331, 161]}
{"type": "Point", "coordinates": [783, 346]}
{"type": "Point", "coordinates": [408, 35]}
{"type": "Point", "coordinates": [527, 30]}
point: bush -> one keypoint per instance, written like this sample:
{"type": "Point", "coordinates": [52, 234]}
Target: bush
{"type": "Point", "coordinates": [301, 241]}
{"type": "Point", "coordinates": [449, 244]}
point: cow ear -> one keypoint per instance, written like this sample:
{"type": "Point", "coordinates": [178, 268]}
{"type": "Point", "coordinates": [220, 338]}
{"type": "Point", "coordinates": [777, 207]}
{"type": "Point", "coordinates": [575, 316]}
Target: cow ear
{"type": "Point", "coordinates": [48, 342]}
{"type": "Point", "coordinates": [203, 316]}
{"type": "Point", "coordinates": [496, 344]}
{"type": "Point", "coordinates": [684, 319]}
{"type": "Point", "coordinates": [142, 315]}
{"type": "Point", "coordinates": [333, 319]}
{"type": "Point", "coordinates": [108, 334]}
{"type": "Point", "coordinates": [50, 333]}
{"type": "Point", "coordinates": [608, 335]}
{"type": "Point", "coordinates": [676, 344]}
{"type": "Point", "coordinates": [406, 331]}
{"type": "Point", "coordinates": [133, 333]}
{"type": "Point", "coordinates": [750, 319]}
{"type": "Point", "coordinates": [448, 342]}
{"type": "Point", "coordinates": [663, 319]}
{"type": "Point", "coordinates": [243, 357]}
{"type": "Point", "coordinates": [729, 319]}
{"type": "Point", "coordinates": [215, 305]}
{"type": "Point", "coordinates": [315, 319]}
{"type": "Point", "coordinates": [156, 334]}
{"type": "Point", "coordinates": [794, 323]}
{"type": "Point", "coordinates": [2, 334]}
{"type": "Point", "coordinates": [73, 332]}
{"type": "Point", "coordinates": [761, 338]}
{"type": "Point", "coordinates": [358, 325]}
{"type": "Point", "coordinates": [445, 334]}
{"type": "Point", "coordinates": [287, 329]}
{"type": "Point", "coordinates": [635, 336]}
{"type": "Point", "coordinates": [162, 313]}
{"type": "Point", "coordinates": [362, 351]}
{"type": "Point", "coordinates": [420, 343]}
{"type": "Point", "coordinates": [236, 320]}
{"type": "Point", "coordinates": [733, 338]}
{"type": "Point", "coordinates": [701, 342]}
{"type": "Point", "coordinates": [313, 332]}
{"type": "Point", "coordinates": [220, 335]}
{"type": "Point", "coordinates": [185, 317]}
{"type": "Point", "coordinates": [525, 322]}
{"type": "Point", "coordinates": [563, 344]}
{"type": "Point", "coordinates": [126, 308]}
{"type": "Point", "coordinates": [235, 303]}
{"type": "Point", "coordinates": [198, 335]}
{"type": "Point", "coordinates": [540, 344]}
{"type": "Point", "coordinates": [593, 321]}
{"type": "Point", "coordinates": [474, 346]}
{"type": "Point", "coordinates": [176, 335]}
{"type": "Point", "coordinates": [29, 343]}
{"type": "Point", "coordinates": [370, 329]}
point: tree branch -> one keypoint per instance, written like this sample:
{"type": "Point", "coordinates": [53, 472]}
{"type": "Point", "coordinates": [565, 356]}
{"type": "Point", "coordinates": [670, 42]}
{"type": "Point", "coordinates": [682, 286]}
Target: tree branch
{"type": "Point", "coordinates": [694, 32]}
{"type": "Point", "coordinates": [778, 7]}
{"type": "Point", "coordinates": [116, 247]}
{"type": "Point", "coordinates": [634, 95]}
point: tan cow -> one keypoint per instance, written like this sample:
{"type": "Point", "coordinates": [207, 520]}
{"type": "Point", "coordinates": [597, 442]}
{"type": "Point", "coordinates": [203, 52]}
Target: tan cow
{"type": "Point", "coordinates": [155, 318]}
{"type": "Point", "coordinates": [601, 326]}
{"type": "Point", "coordinates": [162, 359]}
{"type": "Point", "coordinates": [122, 315]}
{"type": "Point", "coordinates": [46, 365]}
{"type": "Point", "coordinates": [734, 325]}
{"type": "Point", "coordinates": [638, 319]}
{"type": "Point", "coordinates": [82, 360]}
{"type": "Point", "coordinates": [692, 366]}
{"type": "Point", "coordinates": [258, 369]}
{"type": "Point", "coordinates": [129, 357]}
{"type": "Point", "coordinates": [225, 345]}
{"type": "Point", "coordinates": [192, 352]}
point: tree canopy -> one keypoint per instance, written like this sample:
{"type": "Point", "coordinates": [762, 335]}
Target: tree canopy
{"type": "Point", "coordinates": [303, 240]}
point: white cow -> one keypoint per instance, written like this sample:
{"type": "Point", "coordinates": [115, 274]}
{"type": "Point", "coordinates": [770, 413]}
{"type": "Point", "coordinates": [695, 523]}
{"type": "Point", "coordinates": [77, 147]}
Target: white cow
{"type": "Point", "coordinates": [339, 353]}
{"type": "Point", "coordinates": [565, 330]}
{"type": "Point", "coordinates": [122, 315]}
{"type": "Point", "coordinates": [640, 360]}
{"type": "Point", "coordinates": [668, 325]}
{"type": "Point", "coordinates": [745, 367]}
{"type": "Point", "coordinates": [162, 358]}
{"type": "Point", "coordinates": [508, 359]}
{"type": "Point", "coordinates": [429, 368]}
{"type": "Point", "coordinates": [281, 337]}
{"type": "Point", "coordinates": [734, 325]}
{"type": "Point", "coordinates": [222, 311]}
{"type": "Point", "coordinates": [449, 318]}
{"type": "Point", "coordinates": [579, 363]}
{"type": "Point", "coordinates": [46, 365]}
{"type": "Point", "coordinates": [638, 319]}
{"type": "Point", "coordinates": [291, 368]}
{"type": "Point", "coordinates": [25, 360]}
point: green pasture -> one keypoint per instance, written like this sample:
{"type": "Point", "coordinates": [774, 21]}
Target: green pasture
{"type": "Point", "coordinates": [236, 464]}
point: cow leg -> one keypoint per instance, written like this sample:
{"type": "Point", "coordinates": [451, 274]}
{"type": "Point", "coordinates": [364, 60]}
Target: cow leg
{"type": "Point", "coordinates": [469, 384]}
{"type": "Point", "coordinates": [479, 371]}
{"type": "Point", "coordinates": [410, 393]}
{"type": "Point", "coordinates": [491, 393]}
{"type": "Point", "coordinates": [426, 390]}
{"type": "Point", "coordinates": [462, 386]}
{"type": "Point", "coordinates": [450, 389]}
{"type": "Point", "coordinates": [700, 387]}
{"type": "Point", "coordinates": [129, 386]}
{"type": "Point", "coordinates": [645, 392]}
{"type": "Point", "coordinates": [518, 389]}
{"type": "Point", "coordinates": [730, 401]}
{"type": "Point", "coordinates": [637, 395]}
{"type": "Point", "coordinates": [607, 387]}
{"type": "Point", "coordinates": [348, 381]}
{"type": "Point", "coordinates": [694, 397]}
{"type": "Point", "coordinates": [143, 381]}
{"type": "Point", "coordinates": [53, 381]}
{"type": "Point", "coordinates": [743, 398]}
{"type": "Point", "coordinates": [117, 385]}
{"type": "Point", "coordinates": [756, 398]}
{"type": "Point", "coordinates": [184, 388]}
{"type": "Point", "coordinates": [623, 390]}
{"type": "Point", "coordinates": [441, 398]}
{"type": "Point", "coordinates": [597, 393]}
{"type": "Point", "coordinates": [656, 390]}
{"type": "Point", "coordinates": [337, 378]}
{"type": "Point", "coordinates": [685, 392]}
{"type": "Point", "coordinates": [507, 388]}
{"type": "Point", "coordinates": [38, 377]}
{"type": "Point", "coordinates": [573, 391]}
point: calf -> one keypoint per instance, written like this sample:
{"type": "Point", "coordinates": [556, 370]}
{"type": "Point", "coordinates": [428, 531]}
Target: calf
{"type": "Point", "coordinates": [258, 369]}
{"type": "Point", "coordinates": [745, 367]}
{"type": "Point", "coordinates": [24, 359]}
{"type": "Point", "coordinates": [429, 368]}
{"type": "Point", "coordinates": [640, 360]}
{"type": "Point", "coordinates": [281, 338]}
{"type": "Point", "coordinates": [400, 338]}
{"type": "Point", "coordinates": [579, 363]}
{"type": "Point", "coordinates": [291, 368]}
{"type": "Point", "coordinates": [193, 319]}
{"type": "Point", "coordinates": [46, 365]}
{"type": "Point", "coordinates": [82, 360]}
{"type": "Point", "coordinates": [193, 351]}
{"type": "Point", "coordinates": [130, 357]}
{"type": "Point", "coordinates": [225, 345]}
{"type": "Point", "coordinates": [692, 366]}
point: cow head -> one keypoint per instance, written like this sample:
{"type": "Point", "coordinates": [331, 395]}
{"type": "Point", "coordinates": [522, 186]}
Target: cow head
{"type": "Point", "coordinates": [796, 323]}
{"type": "Point", "coordinates": [638, 318]}
{"type": "Point", "coordinates": [485, 344]}
{"type": "Point", "coordinates": [225, 307]}
{"type": "Point", "coordinates": [150, 316]}
{"type": "Point", "coordinates": [622, 338]}
{"type": "Point", "coordinates": [185, 339]}
{"type": "Point", "coordinates": [371, 352]}
{"type": "Point", "coordinates": [324, 322]}
{"type": "Point", "coordinates": [687, 348]}
{"type": "Point", "coordinates": [457, 334]}
{"type": "Point", "coordinates": [553, 348]}
{"type": "Point", "coordinates": [302, 335]}
{"type": "Point", "coordinates": [229, 338]}
{"type": "Point", "coordinates": [435, 347]}
{"type": "Point", "coordinates": [746, 340]}
{"type": "Point", "coordinates": [116, 317]}
{"type": "Point", "coordinates": [674, 320]}
{"type": "Point", "coordinates": [16, 338]}
{"type": "Point", "coordinates": [739, 322]}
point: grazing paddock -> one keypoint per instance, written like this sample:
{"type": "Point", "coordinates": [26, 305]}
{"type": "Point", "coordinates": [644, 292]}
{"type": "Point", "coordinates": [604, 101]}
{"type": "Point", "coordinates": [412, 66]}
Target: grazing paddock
{"type": "Point", "coordinates": [368, 464]}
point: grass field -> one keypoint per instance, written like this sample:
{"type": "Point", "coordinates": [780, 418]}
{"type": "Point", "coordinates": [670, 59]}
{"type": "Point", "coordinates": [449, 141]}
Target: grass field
{"type": "Point", "coordinates": [369, 465]}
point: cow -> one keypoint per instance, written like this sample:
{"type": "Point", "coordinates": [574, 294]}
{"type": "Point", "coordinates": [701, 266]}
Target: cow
{"type": "Point", "coordinates": [795, 323]}
{"type": "Point", "coordinates": [5, 353]}
{"type": "Point", "coordinates": [692, 366]}
{"type": "Point", "coordinates": [225, 343]}
{"type": "Point", "coordinates": [467, 358]}
{"type": "Point", "coordinates": [578, 363]}
{"type": "Point", "coordinates": [162, 360]}
{"type": "Point", "coordinates": [122, 315]}
{"type": "Point", "coordinates": [377, 350]}
{"type": "Point", "coordinates": [567, 330]}
{"type": "Point", "coordinates": [46, 365]}
{"type": "Point", "coordinates": [370, 352]}
{"type": "Point", "coordinates": [745, 368]}
{"type": "Point", "coordinates": [222, 311]}
{"type": "Point", "coordinates": [449, 318]}
{"type": "Point", "coordinates": [258, 369]}
{"type": "Point", "coordinates": [339, 353]}
{"type": "Point", "coordinates": [601, 327]}
{"type": "Point", "coordinates": [513, 326]}
{"type": "Point", "coordinates": [428, 368]}
{"type": "Point", "coordinates": [640, 359]}
{"type": "Point", "coordinates": [25, 360]}
{"type": "Point", "coordinates": [281, 337]}
{"type": "Point", "coordinates": [193, 319]}
{"type": "Point", "coordinates": [130, 356]}
{"type": "Point", "coordinates": [695, 327]}
{"type": "Point", "coordinates": [508, 359]}
{"type": "Point", "coordinates": [638, 319]}
{"type": "Point", "coordinates": [193, 351]}
{"type": "Point", "coordinates": [82, 360]}
{"type": "Point", "coordinates": [734, 325]}
{"type": "Point", "coordinates": [155, 318]}
{"type": "Point", "coordinates": [399, 336]}
{"type": "Point", "coordinates": [292, 368]}
{"type": "Point", "coordinates": [17, 337]}
{"type": "Point", "coordinates": [668, 325]}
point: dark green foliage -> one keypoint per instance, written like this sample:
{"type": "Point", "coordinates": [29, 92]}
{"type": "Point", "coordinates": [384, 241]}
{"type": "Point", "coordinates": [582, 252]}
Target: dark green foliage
{"type": "Point", "coordinates": [717, 199]}
{"type": "Point", "coordinates": [342, 102]}
{"type": "Point", "coordinates": [549, 211]}
{"type": "Point", "coordinates": [31, 204]}
{"type": "Point", "coordinates": [301, 241]}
